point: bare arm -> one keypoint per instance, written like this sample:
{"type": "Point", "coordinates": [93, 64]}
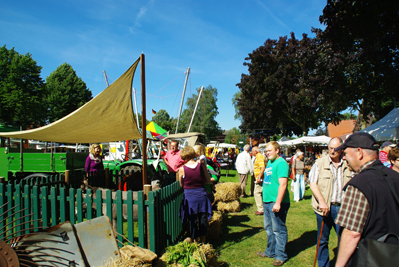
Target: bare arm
{"type": "Point", "coordinates": [347, 246]}
{"type": "Point", "coordinates": [181, 174]}
{"type": "Point", "coordinates": [259, 179]}
{"type": "Point", "coordinates": [293, 170]}
{"type": "Point", "coordinates": [280, 195]}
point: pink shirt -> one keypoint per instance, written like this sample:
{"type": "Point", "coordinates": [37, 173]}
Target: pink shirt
{"type": "Point", "coordinates": [174, 160]}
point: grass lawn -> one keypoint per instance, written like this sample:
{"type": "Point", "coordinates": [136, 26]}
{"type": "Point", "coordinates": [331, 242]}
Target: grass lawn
{"type": "Point", "coordinates": [243, 234]}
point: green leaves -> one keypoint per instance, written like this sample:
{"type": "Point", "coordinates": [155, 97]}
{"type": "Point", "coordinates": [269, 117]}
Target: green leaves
{"type": "Point", "coordinates": [292, 85]}
{"type": "Point", "coordinates": [186, 254]}
{"type": "Point", "coordinates": [21, 90]}
{"type": "Point", "coordinates": [66, 92]}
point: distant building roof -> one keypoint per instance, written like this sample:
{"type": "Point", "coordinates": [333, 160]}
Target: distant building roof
{"type": "Point", "coordinates": [344, 128]}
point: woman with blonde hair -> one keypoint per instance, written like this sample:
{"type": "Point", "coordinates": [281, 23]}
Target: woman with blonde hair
{"type": "Point", "coordinates": [94, 161]}
{"type": "Point", "coordinates": [196, 207]}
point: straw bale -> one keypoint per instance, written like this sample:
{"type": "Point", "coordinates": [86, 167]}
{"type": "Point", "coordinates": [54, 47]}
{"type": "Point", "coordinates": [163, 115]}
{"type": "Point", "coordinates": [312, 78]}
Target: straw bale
{"type": "Point", "coordinates": [126, 262]}
{"type": "Point", "coordinates": [227, 191]}
{"type": "Point", "coordinates": [215, 226]}
{"type": "Point", "coordinates": [232, 206]}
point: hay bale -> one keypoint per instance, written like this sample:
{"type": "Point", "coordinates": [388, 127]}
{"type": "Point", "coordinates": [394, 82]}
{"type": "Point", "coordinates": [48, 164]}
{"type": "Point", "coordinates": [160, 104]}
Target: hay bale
{"type": "Point", "coordinates": [215, 226]}
{"type": "Point", "coordinates": [227, 191]}
{"type": "Point", "coordinates": [232, 206]}
{"type": "Point", "coordinates": [126, 262]}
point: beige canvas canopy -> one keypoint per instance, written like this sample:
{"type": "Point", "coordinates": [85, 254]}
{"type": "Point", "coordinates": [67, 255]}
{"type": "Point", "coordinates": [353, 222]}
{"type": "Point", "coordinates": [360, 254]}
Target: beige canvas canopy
{"type": "Point", "coordinates": [107, 117]}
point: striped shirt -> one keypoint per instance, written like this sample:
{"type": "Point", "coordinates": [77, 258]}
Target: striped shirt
{"type": "Point", "coordinates": [336, 173]}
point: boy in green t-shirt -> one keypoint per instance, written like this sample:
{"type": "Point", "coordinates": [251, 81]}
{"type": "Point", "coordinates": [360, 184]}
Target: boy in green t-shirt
{"type": "Point", "coordinates": [276, 202]}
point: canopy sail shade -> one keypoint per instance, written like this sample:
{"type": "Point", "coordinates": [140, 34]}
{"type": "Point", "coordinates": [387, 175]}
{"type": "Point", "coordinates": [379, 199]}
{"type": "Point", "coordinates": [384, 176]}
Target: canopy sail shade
{"type": "Point", "coordinates": [107, 117]}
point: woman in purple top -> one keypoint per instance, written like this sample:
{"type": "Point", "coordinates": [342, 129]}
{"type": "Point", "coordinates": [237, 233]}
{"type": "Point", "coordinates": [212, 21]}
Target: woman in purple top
{"type": "Point", "coordinates": [196, 207]}
{"type": "Point", "coordinates": [94, 161]}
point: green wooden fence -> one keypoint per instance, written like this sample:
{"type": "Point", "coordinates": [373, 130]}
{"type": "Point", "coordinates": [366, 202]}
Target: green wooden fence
{"type": "Point", "coordinates": [28, 208]}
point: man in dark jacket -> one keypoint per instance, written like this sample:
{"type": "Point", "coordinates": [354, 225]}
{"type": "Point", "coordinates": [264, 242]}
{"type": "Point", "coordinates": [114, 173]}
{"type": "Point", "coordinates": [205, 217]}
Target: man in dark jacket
{"type": "Point", "coordinates": [368, 200]}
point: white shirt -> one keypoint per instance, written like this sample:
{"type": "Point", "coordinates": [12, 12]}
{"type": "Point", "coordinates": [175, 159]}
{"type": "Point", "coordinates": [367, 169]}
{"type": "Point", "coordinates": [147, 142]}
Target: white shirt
{"type": "Point", "coordinates": [244, 163]}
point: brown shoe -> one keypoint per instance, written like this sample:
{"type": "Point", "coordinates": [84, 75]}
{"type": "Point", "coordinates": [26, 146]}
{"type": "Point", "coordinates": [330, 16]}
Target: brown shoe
{"type": "Point", "coordinates": [258, 212]}
{"type": "Point", "coordinates": [278, 263]}
{"type": "Point", "coordinates": [261, 254]}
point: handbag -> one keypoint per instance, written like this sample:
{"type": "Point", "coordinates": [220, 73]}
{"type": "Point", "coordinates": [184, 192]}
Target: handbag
{"type": "Point", "coordinates": [376, 253]}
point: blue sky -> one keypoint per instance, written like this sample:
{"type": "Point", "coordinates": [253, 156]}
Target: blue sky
{"type": "Point", "coordinates": [211, 37]}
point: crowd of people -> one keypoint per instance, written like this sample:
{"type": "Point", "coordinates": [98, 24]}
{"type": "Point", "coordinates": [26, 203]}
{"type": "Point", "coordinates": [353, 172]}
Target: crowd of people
{"type": "Point", "coordinates": [354, 191]}
{"type": "Point", "coordinates": [349, 194]}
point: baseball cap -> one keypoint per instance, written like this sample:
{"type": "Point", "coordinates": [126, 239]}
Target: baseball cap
{"type": "Point", "coordinates": [385, 144]}
{"type": "Point", "coordinates": [359, 139]}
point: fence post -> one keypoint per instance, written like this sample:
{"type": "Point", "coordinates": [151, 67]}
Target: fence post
{"type": "Point", "coordinates": [67, 177]}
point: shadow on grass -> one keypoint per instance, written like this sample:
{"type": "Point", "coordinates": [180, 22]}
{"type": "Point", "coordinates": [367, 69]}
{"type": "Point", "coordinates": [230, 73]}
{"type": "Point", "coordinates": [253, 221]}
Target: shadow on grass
{"type": "Point", "coordinates": [244, 205]}
{"type": "Point", "coordinates": [305, 241]}
{"type": "Point", "coordinates": [307, 197]}
{"type": "Point", "coordinates": [238, 236]}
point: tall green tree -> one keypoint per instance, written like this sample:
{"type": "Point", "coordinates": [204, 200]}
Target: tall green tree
{"type": "Point", "coordinates": [205, 118]}
{"type": "Point", "coordinates": [163, 119]}
{"type": "Point", "coordinates": [66, 92]}
{"type": "Point", "coordinates": [21, 90]}
{"type": "Point", "coordinates": [292, 85]}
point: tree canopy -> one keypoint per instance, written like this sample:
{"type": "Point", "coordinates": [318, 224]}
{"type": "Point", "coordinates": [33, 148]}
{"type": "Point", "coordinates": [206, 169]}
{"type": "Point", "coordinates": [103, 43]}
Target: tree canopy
{"type": "Point", "coordinates": [21, 90]}
{"type": "Point", "coordinates": [66, 92]}
{"type": "Point", "coordinates": [234, 136]}
{"type": "Point", "coordinates": [292, 85]}
{"type": "Point", "coordinates": [163, 119]}
{"type": "Point", "coordinates": [205, 117]}
{"type": "Point", "coordinates": [367, 31]}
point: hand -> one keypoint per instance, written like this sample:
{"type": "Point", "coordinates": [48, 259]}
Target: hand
{"type": "Point", "coordinates": [276, 207]}
{"type": "Point", "coordinates": [324, 208]}
{"type": "Point", "coordinates": [258, 180]}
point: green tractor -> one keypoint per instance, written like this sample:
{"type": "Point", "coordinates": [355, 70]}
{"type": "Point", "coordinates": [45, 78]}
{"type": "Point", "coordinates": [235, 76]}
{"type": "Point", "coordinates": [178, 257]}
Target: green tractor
{"type": "Point", "coordinates": [125, 158]}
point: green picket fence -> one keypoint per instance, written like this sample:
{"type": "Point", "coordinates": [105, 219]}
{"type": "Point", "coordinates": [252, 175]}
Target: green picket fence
{"type": "Point", "coordinates": [27, 208]}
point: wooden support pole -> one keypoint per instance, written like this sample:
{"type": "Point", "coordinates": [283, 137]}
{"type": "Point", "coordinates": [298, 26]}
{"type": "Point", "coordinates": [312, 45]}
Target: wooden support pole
{"type": "Point", "coordinates": [147, 188]}
{"type": "Point", "coordinates": [143, 119]}
{"type": "Point", "coordinates": [67, 177]}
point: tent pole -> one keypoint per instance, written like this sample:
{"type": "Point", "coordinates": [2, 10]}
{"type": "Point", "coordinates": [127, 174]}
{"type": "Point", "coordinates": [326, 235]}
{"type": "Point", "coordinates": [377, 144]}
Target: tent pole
{"type": "Point", "coordinates": [143, 120]}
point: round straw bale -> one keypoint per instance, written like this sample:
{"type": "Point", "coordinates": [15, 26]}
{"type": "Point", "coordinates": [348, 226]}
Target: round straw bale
{"type": "Point", "coordinates": [227, 191]}
{"type": "Point", "coordinates": [232, 206]}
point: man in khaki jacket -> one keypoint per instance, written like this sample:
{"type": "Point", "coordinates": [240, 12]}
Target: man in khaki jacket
{"type": "Point", "coordinates": [327, 178]}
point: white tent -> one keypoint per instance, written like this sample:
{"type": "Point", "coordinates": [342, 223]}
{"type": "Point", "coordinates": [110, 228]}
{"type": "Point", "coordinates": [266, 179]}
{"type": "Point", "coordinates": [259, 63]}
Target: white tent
{"type": "Point", "coordinates": [222, 145]}
{"type": "Point", "coordinates": [387, 128]}
{"type": "Point", "coordinates": [306, 140]}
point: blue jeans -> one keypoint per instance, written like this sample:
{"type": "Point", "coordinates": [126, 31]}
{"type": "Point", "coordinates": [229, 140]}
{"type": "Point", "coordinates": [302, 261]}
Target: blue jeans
{"type": "Point", "coordinates": [299, 187]}
{"type": "Point", "coordinates": [276, 230]}
{"type": "Point", "coordinates": [323, 254]}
